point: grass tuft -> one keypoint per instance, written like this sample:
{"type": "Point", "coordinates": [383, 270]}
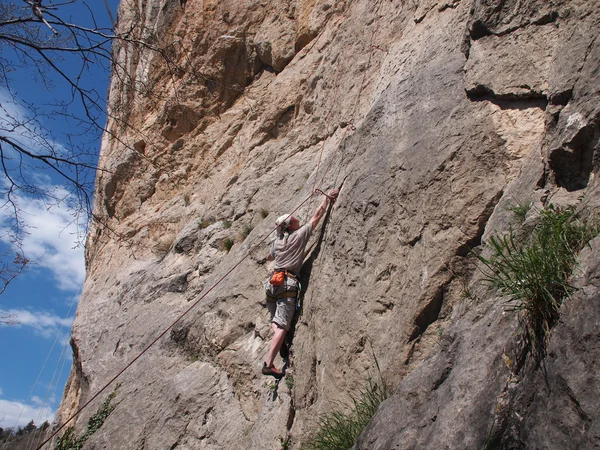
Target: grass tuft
{"type": "Point", "coordinates": [228, 243]}
{"type": "Point", "coordinates": [520, 210]}
{"type": "Point", "coordinates": [204, 223]}
{"type": "Point", "coordinates": [289, 382]}
{"type": "Point", "coordinates": [227, 223]}
{"type": "Point", "coordinates": [246, 230]}
{"type": "Point", "coordinates": [339, 429]}
{"type": "Point", "coordinates": [534, 274]}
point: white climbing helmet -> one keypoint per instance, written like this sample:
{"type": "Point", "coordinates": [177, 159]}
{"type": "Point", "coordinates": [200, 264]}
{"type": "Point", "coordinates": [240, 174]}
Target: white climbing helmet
{"type": "Point", "coordinates": [283, 221]}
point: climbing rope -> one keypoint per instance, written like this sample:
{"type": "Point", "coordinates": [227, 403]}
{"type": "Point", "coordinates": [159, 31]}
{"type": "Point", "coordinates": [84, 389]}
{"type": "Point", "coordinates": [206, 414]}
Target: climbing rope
{"type": "Point", "coordinates": [316, 190]}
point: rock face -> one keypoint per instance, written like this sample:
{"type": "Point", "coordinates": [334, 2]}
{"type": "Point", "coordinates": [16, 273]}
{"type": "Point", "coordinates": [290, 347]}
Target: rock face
{"type": "Point", "coordinates": [434, 118]}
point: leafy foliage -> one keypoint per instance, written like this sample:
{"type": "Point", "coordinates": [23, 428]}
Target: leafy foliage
{"type": "Point", "coordinates": [339, 429]}
{"type": "Point", "coordinates": [534, 274]}
{"type": "Point", "coordinates": [69, 441]}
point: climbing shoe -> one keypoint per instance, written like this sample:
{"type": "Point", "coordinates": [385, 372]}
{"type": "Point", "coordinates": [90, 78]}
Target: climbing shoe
{"type": "Point", "coordinates": [272, 371]}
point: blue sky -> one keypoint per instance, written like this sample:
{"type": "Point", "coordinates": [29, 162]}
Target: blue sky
{"type": "Point", "coordinates": [41, 302]}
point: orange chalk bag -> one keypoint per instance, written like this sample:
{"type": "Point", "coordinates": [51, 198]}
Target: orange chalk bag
{"type": "Point", "coordinates": [277, 278]}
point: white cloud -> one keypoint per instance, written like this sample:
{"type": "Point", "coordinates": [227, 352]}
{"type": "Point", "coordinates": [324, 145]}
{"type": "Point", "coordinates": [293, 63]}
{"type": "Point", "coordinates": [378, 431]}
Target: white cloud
{"type": "Point", "coordinates": [43, 323]}
{"type": "Point", "coordinates": [53, 240]}
{"type": "Point", "coordinates": [39, 402]}
{"type": "Point", "coordinates": [16, 414]}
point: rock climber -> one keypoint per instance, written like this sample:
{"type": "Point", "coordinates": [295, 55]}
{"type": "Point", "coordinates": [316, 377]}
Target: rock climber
{"type": "Point", "coordinates": [281, 288]}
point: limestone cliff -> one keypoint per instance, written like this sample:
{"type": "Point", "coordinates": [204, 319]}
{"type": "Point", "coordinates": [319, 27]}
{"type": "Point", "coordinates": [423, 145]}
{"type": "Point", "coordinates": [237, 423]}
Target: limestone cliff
{"type": "Point", "coordinates": [434, 118]}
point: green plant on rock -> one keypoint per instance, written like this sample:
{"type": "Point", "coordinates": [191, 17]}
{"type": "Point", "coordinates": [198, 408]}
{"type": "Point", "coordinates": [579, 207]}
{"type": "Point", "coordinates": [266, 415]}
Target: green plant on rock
{"type": "Point", "coordinates": [285, 442]}
{"type": "Point", "coordinates": [69, 441]}
{"type": "Point", "coordinates": [289, 382]}
{"type": "Point", "coordinates": [264, 213]}
{"type": "Point", "coordinates": [228, 244]}
{"type": "Point", "coordinates": [534, 275]}
{"type": "Point", "coordinates": [186, 199]}
{"type": "Point", "coordinates": [339, 429]}
{"type": "Point", "coordinates": [227, 224]}
{"type": "Point", "coordinates": [246, 230]}
{"type": "Point", "coordinates": [204, 223]}
{"type": "Point", "coordinates": [520, 210]}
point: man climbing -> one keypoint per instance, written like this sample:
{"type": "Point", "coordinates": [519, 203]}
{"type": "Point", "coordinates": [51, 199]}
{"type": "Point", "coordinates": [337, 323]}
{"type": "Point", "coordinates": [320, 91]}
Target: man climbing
{"type": "Point", "coordinates": [282, 288]}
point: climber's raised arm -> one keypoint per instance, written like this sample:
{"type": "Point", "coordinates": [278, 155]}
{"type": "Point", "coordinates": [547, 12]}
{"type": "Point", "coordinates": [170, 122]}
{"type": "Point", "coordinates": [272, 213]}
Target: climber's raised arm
{"type": "Point", "coordinates": [320, 211]}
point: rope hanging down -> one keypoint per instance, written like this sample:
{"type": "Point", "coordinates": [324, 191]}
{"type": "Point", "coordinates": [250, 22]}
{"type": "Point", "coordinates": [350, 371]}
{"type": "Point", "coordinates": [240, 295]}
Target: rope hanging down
{"type": "Point", "coordinates": [316, 190]}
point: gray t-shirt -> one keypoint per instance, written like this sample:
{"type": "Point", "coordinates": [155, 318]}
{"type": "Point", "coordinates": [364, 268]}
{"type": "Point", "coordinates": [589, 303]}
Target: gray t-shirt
{"type": "Point", "coordinates": [289, 250]}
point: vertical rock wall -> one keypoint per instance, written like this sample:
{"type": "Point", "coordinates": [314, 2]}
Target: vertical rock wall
{"type": "Point", "coordinates": [434, 118]}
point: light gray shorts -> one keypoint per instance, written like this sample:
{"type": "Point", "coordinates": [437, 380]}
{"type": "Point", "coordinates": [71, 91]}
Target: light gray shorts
{"type": "Point", "coordinates": [282, 312]}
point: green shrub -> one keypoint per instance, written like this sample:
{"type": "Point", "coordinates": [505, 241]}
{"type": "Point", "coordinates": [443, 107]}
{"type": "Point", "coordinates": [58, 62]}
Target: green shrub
{"type": "Point", "coordinates": [186, 199]}
{"type": "Point", "coordinates": [339, 429]}
{"type": "Point", "coordinates": [534, 274]}
{"type": "Point", "coordinates": [227, 224]}
{"type": "Point", "coordinates": [68, 441]}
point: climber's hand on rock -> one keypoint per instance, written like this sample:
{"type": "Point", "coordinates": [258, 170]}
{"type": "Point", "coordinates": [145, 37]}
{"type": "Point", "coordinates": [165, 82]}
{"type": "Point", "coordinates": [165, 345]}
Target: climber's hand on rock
{"type": "Point", "coordinates": [333, 194]}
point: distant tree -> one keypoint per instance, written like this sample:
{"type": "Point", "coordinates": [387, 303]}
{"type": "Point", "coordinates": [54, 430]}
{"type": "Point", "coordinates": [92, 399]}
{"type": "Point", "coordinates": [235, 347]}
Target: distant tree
{"type": "Point", "coordinates": [29, 427]}
{"type": "Point", "coordinates": [44, 426]}
{"type": "Point", "coordinates": [5, 432]}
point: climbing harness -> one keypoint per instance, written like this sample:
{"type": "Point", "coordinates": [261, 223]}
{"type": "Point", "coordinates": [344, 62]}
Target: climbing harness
{"type": "Point", "coordinates": [273, 293]}
{"type": "Point", "coordinates": [273, 287]}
